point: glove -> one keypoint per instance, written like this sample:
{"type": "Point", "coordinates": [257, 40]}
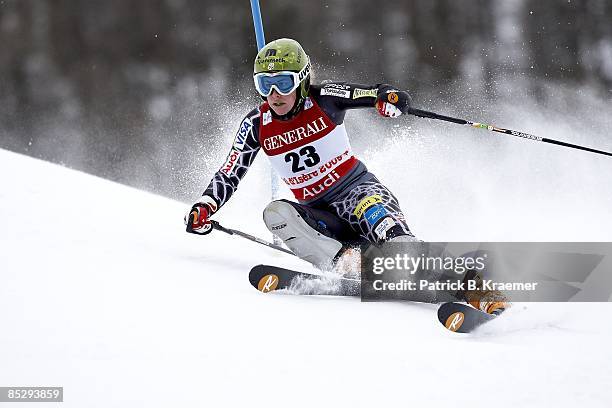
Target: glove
{"type": "Point", "coordinates": [391, 102]}
{"type": "Point", "coordinates": [198, 218]}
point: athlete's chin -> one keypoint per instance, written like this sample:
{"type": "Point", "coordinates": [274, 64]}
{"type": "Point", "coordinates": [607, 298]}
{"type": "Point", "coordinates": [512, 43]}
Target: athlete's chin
{"type": "Point", "coordinates": [281, 110]}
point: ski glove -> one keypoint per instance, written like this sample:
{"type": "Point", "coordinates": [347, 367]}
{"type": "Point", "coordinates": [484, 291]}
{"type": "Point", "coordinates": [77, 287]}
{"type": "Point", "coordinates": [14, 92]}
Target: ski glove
{"type": "Point", "coordinates": [198, 218]}
{"type": "Point", "coordinates": [391, 102]}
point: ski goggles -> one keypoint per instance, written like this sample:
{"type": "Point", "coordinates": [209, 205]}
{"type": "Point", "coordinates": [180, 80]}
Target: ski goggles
{"type": "Point", "coordinates": [284, 82]}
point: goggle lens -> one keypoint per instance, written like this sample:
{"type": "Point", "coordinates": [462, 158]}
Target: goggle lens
{"type": "Point", "coordinates": [283, 83]}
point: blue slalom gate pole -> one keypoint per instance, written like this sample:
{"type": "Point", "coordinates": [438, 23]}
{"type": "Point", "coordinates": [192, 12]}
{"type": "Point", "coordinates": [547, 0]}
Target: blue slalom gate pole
{"type": "Point", "coordinates": [259, 32]}
{"type": "Point", "coordinates": [261, 41]}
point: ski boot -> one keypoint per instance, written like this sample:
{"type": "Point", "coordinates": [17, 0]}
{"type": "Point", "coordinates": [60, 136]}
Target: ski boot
{"type": "Point", "coordinates": [489, 301]}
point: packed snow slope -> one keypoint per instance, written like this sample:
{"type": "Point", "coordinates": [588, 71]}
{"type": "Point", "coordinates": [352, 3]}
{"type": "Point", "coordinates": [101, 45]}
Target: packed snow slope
{"type": "Point", "coordinates": [102, 292]}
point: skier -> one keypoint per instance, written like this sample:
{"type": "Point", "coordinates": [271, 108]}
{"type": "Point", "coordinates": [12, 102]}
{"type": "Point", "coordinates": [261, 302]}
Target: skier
{"type": "Point", "coordinates": [300, 127]}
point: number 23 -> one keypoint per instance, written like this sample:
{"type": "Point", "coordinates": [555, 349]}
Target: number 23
{"type": "Point", "coordinates": [311, 158]}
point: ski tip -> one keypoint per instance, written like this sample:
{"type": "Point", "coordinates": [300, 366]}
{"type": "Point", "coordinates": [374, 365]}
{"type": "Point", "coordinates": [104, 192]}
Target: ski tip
{"type": "Point", "coordinates": [452, 316]}
{"type": "Point", "coordinates": [454, 321]}
{"type": "Point", "coordinates": [462, 318]}
{"type": "Point", "coordinates": [264, 279]}
{"type": "Point", "coordinates": [267, 283]}
{"type": "Point", "coordinates": [256, 274]}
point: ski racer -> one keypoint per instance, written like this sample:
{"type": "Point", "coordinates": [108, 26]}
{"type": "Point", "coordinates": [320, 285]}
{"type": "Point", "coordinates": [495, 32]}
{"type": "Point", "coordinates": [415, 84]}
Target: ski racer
{"type": "Point", "coordinates": [300, 127]}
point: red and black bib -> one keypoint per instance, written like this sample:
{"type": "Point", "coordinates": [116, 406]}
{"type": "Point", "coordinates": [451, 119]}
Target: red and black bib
{"type": "Point", "coordinates": [309, 152]}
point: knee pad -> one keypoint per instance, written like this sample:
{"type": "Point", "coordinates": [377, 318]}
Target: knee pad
{"type": "Point", "coordinates": [284, 221]}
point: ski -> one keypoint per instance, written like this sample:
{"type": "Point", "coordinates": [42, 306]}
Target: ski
{"type": "Point", "coordinates": [456, 317]}
{"type": "Point", "coordinates": [461, 318]}
{"type": "Point", "coordinates": [267, 278]}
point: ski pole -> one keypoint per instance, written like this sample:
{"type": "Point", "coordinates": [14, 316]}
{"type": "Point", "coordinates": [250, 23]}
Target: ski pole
{"type": "Point", "coordinates": [431, 115]}
{"type": "Point", "coordinates": [230, 231]}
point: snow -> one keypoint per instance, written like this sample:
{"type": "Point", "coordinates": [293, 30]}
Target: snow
{"type": "Point", "coordinates": [102, 292]}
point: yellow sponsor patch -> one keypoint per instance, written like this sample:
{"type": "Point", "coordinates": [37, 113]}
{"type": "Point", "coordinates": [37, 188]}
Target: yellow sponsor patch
{"type": "Point", "coordinates": [364, 93]}
{"type": "Point", "coordinates": [366, 203]}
